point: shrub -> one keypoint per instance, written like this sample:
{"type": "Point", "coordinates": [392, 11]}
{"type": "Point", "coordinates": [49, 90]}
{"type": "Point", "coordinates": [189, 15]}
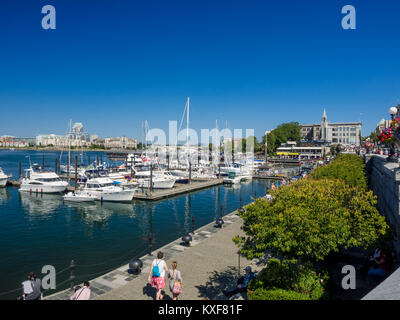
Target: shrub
{"type": "Point", "coordinates": [347, 167]}
{"type": "Point", "coordinates": [309, 219]}
{"type": "Point", "coordinates": [276, 294]}
{"type": "Point", "coordinates": [291, 276]}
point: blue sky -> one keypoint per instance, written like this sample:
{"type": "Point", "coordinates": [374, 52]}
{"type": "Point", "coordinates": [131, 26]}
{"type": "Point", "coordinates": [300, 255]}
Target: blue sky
{"type": "Point", "coordinates": [113, 64]}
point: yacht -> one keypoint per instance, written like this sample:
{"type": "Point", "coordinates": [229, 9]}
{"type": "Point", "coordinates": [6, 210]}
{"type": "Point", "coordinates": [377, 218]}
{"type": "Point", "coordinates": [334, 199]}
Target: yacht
{"type": "Point", "coordinates": [233, 178]}
{"type": "Point", "coordinates": [42, 181]}
{"type": "Point", "coordinates": [104, 189]}
{"type": "Point", "coordinates": [160, 179]}
{"type": "Point", "coordinates": [3, 178]}
{"type": "Point", "coordinates": [134, 159]}
{"type": "Point", "coordinates": [78, 197]}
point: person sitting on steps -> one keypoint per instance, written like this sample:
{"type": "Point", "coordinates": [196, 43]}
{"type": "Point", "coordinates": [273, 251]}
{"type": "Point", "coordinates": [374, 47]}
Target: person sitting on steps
{"type": "Point", "coordinates": [242, 283]}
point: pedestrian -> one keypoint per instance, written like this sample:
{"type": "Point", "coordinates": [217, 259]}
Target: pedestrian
{"type": "Point", "coordinates": [242, 283]}
{"type": "Point", "coordinates": [175, 284]}
{"type": "Point", "coordinates": [381, 268]}
{"type": "Point", "coordinates": [36, 284]}
{"type": "Point", "coordinates": [26, 288]}
{"type": "Point", "coordinates": [82, 293]}
{"type": "Point", "coordinates": [157, 274]}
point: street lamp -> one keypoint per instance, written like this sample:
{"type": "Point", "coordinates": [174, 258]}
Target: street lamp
{"type": "Point", "coordinates": [393, 111]}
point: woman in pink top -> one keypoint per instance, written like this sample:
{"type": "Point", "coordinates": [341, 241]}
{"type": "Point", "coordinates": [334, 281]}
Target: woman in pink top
{"type": "Point", "coordinates": [82, 293]}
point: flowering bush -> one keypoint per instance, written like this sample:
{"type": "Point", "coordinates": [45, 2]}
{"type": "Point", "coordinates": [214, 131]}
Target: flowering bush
{"type": "Point", "coordinates": [386, 136]}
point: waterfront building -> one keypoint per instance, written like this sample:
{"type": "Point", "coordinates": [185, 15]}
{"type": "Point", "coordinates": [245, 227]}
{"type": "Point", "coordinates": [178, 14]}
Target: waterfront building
{"type": "Point", "coordinates": [120, 143]}
{"type": "Point", "coordinates": [15, 142]}
{"type": "Point", "coordinates": [345, 133]}
{"type": "Point", "coordinates": [290, 150]}
{"type": "Point", "coordinates": [77, 137]}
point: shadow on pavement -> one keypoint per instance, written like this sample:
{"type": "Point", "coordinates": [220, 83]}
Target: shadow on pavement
{"type": "Point", "coordinates": [151, 292]}
{"type": "Point", "coordinates": [217, 282]}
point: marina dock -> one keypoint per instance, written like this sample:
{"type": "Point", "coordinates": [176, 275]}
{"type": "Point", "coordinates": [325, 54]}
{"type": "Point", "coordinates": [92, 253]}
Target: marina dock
{"type": "Point", "coordinates": [157, 194]}
{"type": "Point", "coordinates": [267, 177]}
{"type": "Point", "coordinates": [176, 190]}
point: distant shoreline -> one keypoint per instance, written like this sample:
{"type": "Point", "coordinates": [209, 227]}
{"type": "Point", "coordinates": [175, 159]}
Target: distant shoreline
{"type": "Point", "coordinates": [72, 150]}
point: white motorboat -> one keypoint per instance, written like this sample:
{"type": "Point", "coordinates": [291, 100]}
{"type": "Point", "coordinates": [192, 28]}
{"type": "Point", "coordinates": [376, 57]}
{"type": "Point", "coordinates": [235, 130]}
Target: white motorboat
{"type": "Point", "coordinates": [133, 159]}
{"type": "Point", "coordinates": [104, 189]}
{"type": "Point", "coordinates": [78, 197]}
{"type": "Point", "coordinates": [158, 183]}
{"type": "Point", "coordinates": [3, 178]}
{"type": "Point", "coordinates": [160, 179]}
{"type": "Point", "coordinates": [233, 178]}
{"type": "Point", "coordinates": [42, 182]}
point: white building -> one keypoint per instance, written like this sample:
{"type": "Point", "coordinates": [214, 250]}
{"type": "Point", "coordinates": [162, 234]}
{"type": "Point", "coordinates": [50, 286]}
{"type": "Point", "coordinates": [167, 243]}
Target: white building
{"type": "Point", "coordinates": [289, 150]}
{"type": "Point", "coordinates": [120, 143]}
{"type": "Point", "coordinates": [345, 133]}
{"type": "Point", "coordinates": [76, 138]}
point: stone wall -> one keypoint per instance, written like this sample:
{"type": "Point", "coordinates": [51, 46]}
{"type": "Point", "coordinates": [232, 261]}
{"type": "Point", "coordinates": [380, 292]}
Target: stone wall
{"type": "Point", "coordinates": [384, 180]}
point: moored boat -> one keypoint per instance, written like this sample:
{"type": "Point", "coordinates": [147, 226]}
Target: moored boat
{"type": "Point", "coordinates": [42, 182]}
{"type": "Point", "coordinates": [78, 197]}
{"type": "Point", "coordinates": [3, 178]}
{"type": "Point", "coordinates": [104, 189]}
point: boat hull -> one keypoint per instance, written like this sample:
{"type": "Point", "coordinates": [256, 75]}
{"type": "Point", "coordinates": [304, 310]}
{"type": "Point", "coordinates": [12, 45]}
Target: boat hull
{"type": "Point", "coordinates": [113, 196]}
{"type": "Point", "coordinates": [70, 197]}
{"type": "Point", "coordinates": [42, 188]}
{"type": "Point", "coordinates": [157, 184]}
{"type": "Point", "coordinates": [3, 182]}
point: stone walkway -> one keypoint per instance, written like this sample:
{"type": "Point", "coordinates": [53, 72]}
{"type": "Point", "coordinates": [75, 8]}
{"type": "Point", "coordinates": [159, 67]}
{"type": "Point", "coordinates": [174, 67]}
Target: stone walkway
{"type": "Point", "coordinates": [208, 266]}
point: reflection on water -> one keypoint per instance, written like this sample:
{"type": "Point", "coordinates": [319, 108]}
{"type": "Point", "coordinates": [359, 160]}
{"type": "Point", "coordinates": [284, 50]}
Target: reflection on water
{"type": "Point", "coordinates": [40, 205]}
{"type": "Point", "coordinates": [4, 195]}
{"type": "Point", "coordinates": [99, 213]}
{"type": "Point", "coordinates": [39, 228]}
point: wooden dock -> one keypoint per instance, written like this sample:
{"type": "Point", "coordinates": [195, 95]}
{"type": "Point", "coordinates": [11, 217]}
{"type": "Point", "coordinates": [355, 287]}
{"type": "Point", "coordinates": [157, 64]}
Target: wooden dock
{"type": "Point", "coordinates": [267, 177]}
{"type": "Point", "coordinates": [13, 183]}
{"type": "Point", "coordinates": [176, 190]}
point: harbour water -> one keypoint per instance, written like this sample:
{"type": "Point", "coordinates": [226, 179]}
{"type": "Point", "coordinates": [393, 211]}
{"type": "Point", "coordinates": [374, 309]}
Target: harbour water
{"type": "Point", "coordinates": [39, 230]}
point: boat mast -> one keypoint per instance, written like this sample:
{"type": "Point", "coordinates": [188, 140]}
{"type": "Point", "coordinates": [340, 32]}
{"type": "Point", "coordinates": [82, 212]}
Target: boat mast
{"type": "Point", "coordinates": [187, 129]}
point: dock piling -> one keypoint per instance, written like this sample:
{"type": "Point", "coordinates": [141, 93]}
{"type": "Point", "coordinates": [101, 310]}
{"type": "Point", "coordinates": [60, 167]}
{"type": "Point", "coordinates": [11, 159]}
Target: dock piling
{"type": "Point", "coordinates": [72, 276]}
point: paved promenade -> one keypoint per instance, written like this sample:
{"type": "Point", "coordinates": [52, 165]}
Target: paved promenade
{"type": "Point", "coordinates": [208, 266]}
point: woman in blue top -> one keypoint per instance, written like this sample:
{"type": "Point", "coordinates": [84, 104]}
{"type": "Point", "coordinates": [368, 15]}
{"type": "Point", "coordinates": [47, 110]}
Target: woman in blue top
{"type": "Point", "coordinates": [157, 274]}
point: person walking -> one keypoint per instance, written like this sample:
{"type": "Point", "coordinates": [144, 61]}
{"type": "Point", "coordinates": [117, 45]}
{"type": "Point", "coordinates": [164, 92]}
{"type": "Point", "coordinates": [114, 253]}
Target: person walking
{"type": "Point", "coordinates": [82, 293]}
{"type": "Point", "coordinates": [36, 283]}
{"type": "Point", "coordinates": [175, 284]}
{"type": "Point", "coordinates": [157, 274]}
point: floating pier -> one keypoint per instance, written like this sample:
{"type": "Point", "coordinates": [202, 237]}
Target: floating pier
{"type": "Point", "coordinates": [265, 177]}
{"type": "Point", "coordinates": [176, 190]}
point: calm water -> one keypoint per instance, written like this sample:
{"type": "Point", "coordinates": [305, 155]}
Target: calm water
{"type": "Point", "coordinates": [42, 230]}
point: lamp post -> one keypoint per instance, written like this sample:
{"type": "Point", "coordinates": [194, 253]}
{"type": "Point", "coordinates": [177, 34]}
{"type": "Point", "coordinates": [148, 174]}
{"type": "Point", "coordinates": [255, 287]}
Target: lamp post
{"type": "Point", "coordinates": [393, 111]}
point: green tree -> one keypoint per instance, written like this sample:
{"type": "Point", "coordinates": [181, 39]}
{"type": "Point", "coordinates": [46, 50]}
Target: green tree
{"type": "Point", "coordinates": [309, 219]}
{"type": "Point", "coordinates": [290, 131]}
